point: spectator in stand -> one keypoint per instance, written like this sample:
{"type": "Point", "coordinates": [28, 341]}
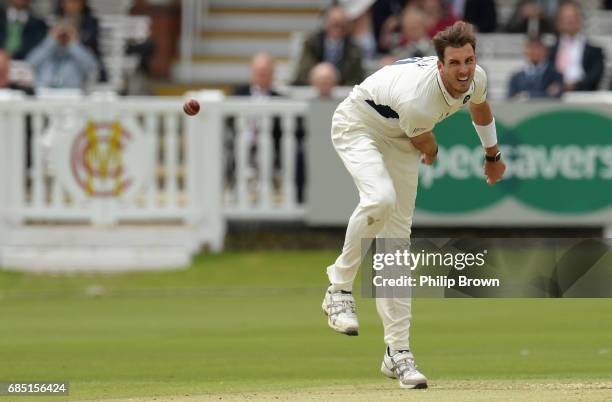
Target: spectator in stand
{"type": "Point", "coordinates": [550, 7]}
{"type": "Point", "coordinates": [438, 16]}
{"type": "Point", "coordinates": [480, 13]}
{"type": "Point", "coordinates": [539, 79]}
{"type": "Point", "coordinates": [20, 30]}
{"type": "Point", "coordinates": [5, 76]}
{"type": "Point", "coordinates": [324, 77]}
{"type": "Point", "coordinates": [390, 34]}
{"type": "Point", "coordinates": [61, 61]}
{"type": "Point", "coordinates": [260, 87]}
{"type": "Point", "coordinates": [384, 14]}
{"type": "Point", "coordinates": [361, 31]}
{"type": "Point", "coordinates": [414, 41]}
{"type": "Point", "coordinates": [529, 17]}
{"type": "Point", "coordinates": [262, 78]}
{"type": "Point", "coordinates": [78, 14]}
{"type": "Point", "coordinates": [143, 49]}
{"type": "Point", "coordinates": [332, 44]}
{"type": "Point", "coordinates": [581, 63]}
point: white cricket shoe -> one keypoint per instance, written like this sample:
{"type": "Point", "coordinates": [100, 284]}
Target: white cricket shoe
{"type": "Point", "coordinates": [339, 306]}
{"type": "Point", "coordinates": [401, 366]}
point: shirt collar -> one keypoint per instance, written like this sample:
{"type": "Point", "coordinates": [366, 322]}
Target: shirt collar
{"type": "Point", "coordinates": [574, 40]}
{"type": "Point", "coordinates": [257, 91]}
{"type": "Point", "coordinates": [450, 100]}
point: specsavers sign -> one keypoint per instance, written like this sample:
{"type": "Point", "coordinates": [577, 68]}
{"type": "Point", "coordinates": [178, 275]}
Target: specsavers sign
{"type": "Point", "coordinates": [559, 166]}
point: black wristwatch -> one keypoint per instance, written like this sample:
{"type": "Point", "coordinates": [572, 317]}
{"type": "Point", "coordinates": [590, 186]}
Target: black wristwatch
{"type": "Point", "coordinates": [495, 158]}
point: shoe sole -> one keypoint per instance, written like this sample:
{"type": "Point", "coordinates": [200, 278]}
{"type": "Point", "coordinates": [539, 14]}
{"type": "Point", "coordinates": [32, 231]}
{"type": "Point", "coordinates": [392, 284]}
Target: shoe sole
{"type": "Point", "coordinates": [349, 332]}
{"type": "Point", "coordinates": [389, 374]}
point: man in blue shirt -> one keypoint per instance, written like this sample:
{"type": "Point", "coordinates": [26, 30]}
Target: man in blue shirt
{"type": "Point", "coordinates": [539, 79]}
{"type": "Point", "coordinates": [61, 61]}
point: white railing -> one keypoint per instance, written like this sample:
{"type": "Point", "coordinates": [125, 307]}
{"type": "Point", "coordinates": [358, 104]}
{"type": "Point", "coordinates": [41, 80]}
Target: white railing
{"type": "Point", "coordinates": [109, 162]}
{"type": "Point", "coordinates": [254, 189]}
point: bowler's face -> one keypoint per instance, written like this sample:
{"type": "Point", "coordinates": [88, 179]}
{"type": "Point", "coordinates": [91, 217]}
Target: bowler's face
{"type": "Point", "coordinates": [457, 70]}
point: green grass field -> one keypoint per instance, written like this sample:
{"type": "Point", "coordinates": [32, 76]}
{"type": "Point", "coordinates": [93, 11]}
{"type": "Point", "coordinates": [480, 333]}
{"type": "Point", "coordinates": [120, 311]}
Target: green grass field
{"type": "Point", "coordinates": [248, 325]}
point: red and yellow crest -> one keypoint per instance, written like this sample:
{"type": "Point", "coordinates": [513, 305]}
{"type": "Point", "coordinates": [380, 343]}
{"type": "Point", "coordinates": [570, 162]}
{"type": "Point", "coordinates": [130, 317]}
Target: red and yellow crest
{"type": "Point", "coordinates": [97, 159]}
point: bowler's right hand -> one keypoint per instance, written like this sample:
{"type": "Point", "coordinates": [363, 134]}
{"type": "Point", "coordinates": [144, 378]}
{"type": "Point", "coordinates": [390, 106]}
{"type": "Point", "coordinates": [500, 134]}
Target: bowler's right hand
{"type": "Point", "coordinates": [428, 159]}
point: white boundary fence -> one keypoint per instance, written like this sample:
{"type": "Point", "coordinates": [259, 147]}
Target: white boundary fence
{"type": "Point", "coordinates": [120, 178]}
{"type": "Point", "coordinates": [133, 183]}
{"type": "Point", "coordinates": [264, 193]}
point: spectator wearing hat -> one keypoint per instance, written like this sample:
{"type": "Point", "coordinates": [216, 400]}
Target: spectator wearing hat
{"type": "Point", "coordinates": [361, 30]}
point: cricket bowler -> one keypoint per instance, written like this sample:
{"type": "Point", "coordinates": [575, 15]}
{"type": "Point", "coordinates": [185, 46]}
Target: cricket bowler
{"type": "Point", "coordinates": [381, 131]}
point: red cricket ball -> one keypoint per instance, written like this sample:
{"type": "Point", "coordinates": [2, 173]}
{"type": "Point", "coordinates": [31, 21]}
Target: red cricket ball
{"type": "Point", "coordinates": [191, 107]}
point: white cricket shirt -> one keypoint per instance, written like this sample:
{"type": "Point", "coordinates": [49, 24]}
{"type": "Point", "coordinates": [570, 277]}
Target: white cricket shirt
{"type": "Point", "coordinates": [409, 97]}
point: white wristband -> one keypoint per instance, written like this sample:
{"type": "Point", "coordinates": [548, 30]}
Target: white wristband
{"type": "Point", "coordinates": [487, 134]}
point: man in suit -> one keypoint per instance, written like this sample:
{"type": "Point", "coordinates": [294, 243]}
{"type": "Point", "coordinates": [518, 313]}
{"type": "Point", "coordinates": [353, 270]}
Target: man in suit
{"type": "Point", "coordinates": [581, 63]}
{"type": "Point", "coordinates": [332, 45]}
{"type": "Point", "coordinates": [20, 30]}
{"type": "Point", "coordinates": [260, 87]}
{"type": "Point", "coordinates": [539, 79]}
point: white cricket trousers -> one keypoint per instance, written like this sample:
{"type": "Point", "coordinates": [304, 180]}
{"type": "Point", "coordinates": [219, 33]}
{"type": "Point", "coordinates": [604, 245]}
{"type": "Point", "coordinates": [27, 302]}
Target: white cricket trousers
{"type": "Point", "coordinates": [385, 171]}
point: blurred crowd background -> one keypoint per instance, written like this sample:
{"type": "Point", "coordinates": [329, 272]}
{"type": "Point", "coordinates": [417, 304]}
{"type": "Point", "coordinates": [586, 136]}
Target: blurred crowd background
{"type": "Point", "coordinates": [292, 49]}
{"type": "Point", "coordinates": [272, 73]}
{"type": "Point", "coordinates": [530, 48]}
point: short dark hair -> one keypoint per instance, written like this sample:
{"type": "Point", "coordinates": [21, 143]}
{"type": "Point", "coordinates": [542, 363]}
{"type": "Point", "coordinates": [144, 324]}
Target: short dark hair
{"type": "Point", "coordinates": [59, 8]}
{"type": "Point", "coordinates": [458, 35]}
